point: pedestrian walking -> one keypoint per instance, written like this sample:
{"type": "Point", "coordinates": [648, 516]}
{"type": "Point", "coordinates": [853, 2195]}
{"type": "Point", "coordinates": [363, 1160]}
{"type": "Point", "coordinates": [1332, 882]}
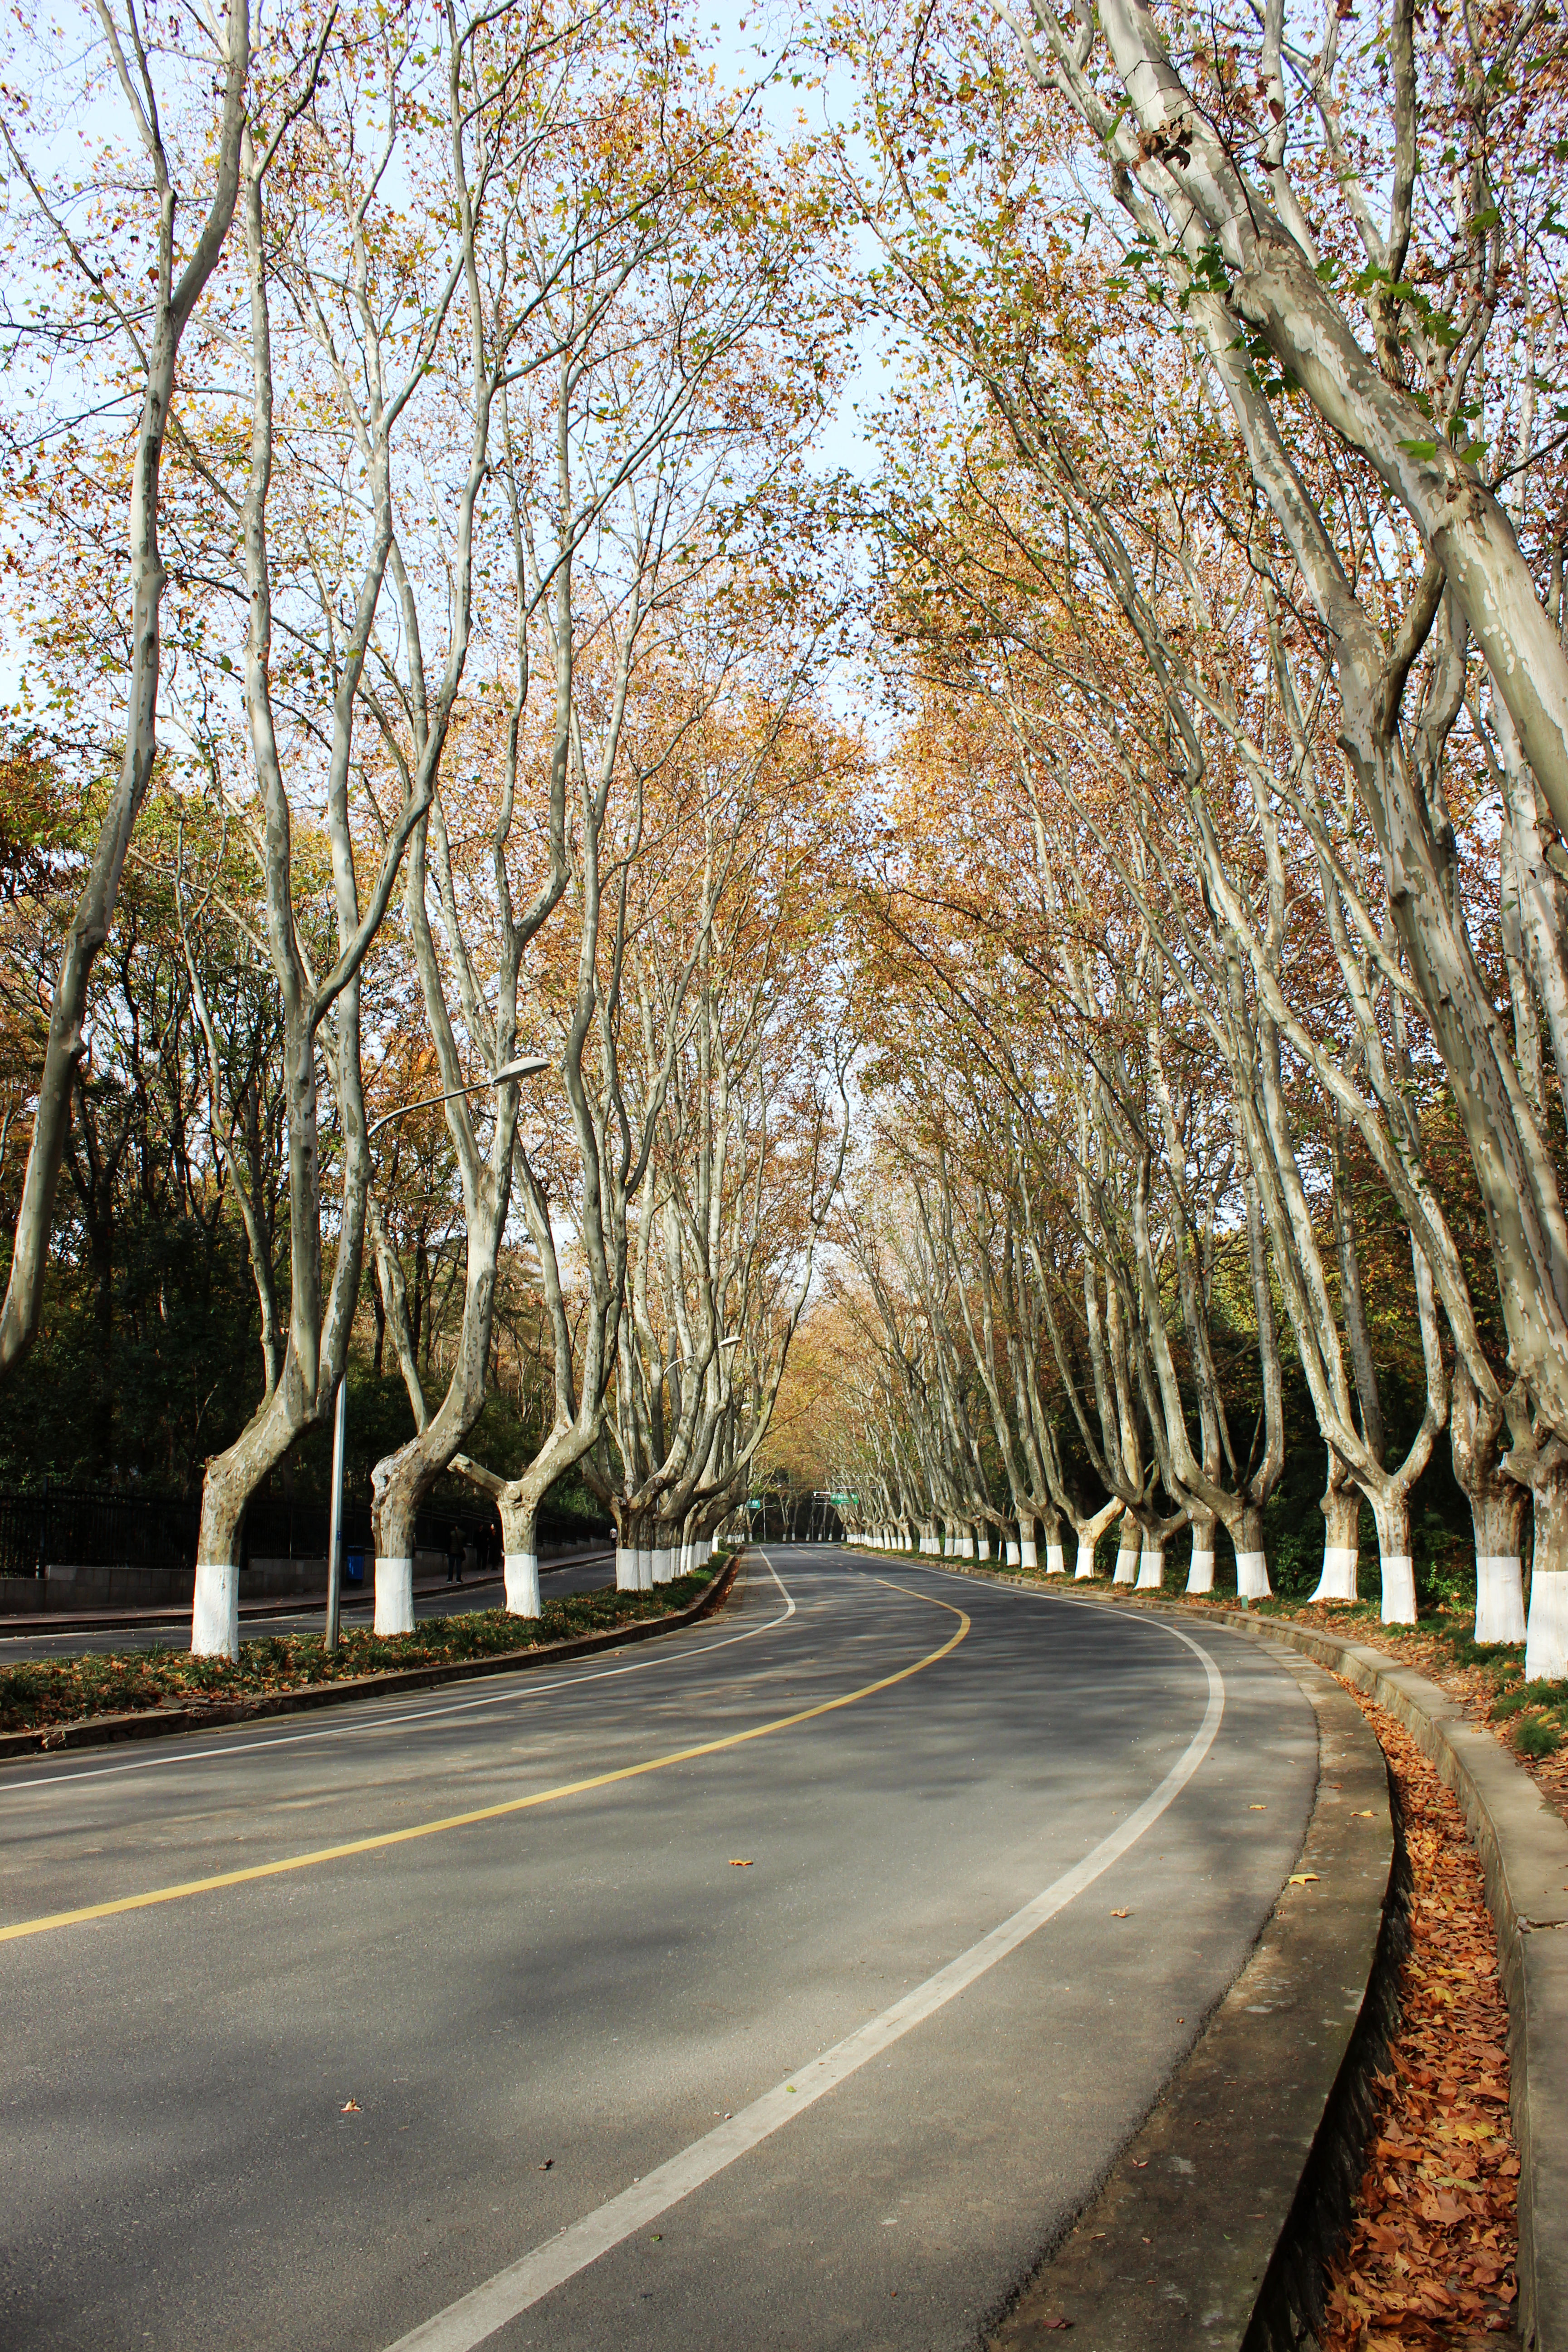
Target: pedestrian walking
{"type": "Point", "coordinates": [455, 1548]}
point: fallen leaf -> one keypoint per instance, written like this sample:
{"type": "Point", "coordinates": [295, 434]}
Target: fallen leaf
{"type": "Point", "coordinates": [739, 1866]}
{"type": "Point", "coordinates": [1257, 1809]}
{"type": "Point", "coordinates": [1121, 1914]}
{"type": "Point", "coordinates": [1302, 1877]}
{"type": "Point", "coordinates": [1139, 2163]}
{"type": "Point", "coordinates": [353, 2108]}
{"type": "Point", "coordinates": [547, 2166]}
{"type": "Point", "coordinates": [1051, 2326]}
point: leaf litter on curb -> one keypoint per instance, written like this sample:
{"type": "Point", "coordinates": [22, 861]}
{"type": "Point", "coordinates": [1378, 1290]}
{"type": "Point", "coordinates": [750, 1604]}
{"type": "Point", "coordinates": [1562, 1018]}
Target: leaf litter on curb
{"type": "Point", "coordinates": [1430, 2251]}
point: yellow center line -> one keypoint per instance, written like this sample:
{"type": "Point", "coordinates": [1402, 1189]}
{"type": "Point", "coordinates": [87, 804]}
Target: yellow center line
{"type": "Point", "coordinates": [485, 1812]}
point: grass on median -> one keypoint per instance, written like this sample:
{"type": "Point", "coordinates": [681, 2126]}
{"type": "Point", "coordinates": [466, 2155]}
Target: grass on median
{"type": "Point", "coordinates": [43, 1692]}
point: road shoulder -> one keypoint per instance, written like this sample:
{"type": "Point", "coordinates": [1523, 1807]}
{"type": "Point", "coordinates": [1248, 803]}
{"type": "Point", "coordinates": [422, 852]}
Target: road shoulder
{"type": "Point", "coordinates": [1224, 2204]}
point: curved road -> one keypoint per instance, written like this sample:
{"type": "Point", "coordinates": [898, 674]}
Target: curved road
{"type": "Point", "coordinates": [534, 2062]}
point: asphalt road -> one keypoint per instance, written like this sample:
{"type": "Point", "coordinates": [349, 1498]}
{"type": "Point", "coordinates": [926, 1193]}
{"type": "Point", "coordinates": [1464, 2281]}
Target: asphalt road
{"type": "Point", "coordinates": [174, 1630]}
{"type": "Point", "coordinates": [843, 2096]}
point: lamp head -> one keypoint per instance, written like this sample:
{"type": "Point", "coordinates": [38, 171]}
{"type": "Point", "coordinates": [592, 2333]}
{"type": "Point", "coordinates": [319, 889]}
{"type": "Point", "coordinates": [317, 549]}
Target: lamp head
{"type": "Point", "coordinates": [528, 1065]}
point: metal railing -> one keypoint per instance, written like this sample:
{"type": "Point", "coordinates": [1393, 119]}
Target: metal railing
{"type": "Point", "coordinates": [66, 1526]}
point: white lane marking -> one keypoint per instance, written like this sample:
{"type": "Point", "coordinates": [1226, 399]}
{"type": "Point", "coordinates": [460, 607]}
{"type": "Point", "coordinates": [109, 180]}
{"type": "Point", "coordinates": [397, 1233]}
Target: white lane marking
{"type": "Point", "coordinates": [479, 2314]}
{"type": "Point", "coordinates": [397, 1722]}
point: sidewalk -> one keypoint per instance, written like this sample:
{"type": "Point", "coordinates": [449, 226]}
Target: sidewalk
{"type": "Point", "coordinates": [282, 1604]}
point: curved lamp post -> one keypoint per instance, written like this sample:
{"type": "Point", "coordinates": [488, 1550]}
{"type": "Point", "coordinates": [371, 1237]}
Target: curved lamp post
{"type": "Point", "coordinates": [527, 1066]}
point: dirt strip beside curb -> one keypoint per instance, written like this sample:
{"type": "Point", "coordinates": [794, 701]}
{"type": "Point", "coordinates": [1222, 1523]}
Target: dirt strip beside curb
{"type": "Point", "coordinates": [1523, 1847]}
{"type": "Point", "coordinates": [1215, 2221]}
{"type": "Point", "coordinates": [158, 1722]}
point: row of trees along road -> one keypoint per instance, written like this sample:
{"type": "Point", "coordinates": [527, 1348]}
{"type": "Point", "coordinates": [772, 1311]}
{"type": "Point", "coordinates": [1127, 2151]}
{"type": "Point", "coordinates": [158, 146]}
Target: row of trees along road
{"type": "Point", "coordinates": [461, 637]}
{"type": "Point", "coordinates": [1203, 920]}
{"type": "Point", "coordinates": [1223, 587]}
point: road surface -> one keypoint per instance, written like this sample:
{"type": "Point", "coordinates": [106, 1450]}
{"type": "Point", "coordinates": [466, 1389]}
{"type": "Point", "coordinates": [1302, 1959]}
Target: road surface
{"type": "Point", "coordinates": [566, 2074]}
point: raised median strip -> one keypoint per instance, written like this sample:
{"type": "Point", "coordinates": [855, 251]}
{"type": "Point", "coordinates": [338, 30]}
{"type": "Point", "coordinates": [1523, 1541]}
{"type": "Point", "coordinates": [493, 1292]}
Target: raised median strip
{"type": "Point", "coordinates": [1522, 1845]}
{"type": "Point", "coordinates": [160, 1722]}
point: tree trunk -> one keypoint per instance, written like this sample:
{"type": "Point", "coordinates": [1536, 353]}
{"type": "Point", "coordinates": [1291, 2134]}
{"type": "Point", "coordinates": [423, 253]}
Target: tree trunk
{"type": "Point", "coordinates": [1391, 1512]}
{"type": "Point", "coordinates": [1128, 1552]}
{"type": "Point", "coordinates": [520, 1544]}
{"type": "Point", "coordinates": [1340, 1508]}
{"type": "Point", "coordinates": [1546, 1643]}
{"type": "Point", "coordinates": [1252, 1576]}
{"type": "Point", "coordinates": [1497, 1509]}
{"type": "Point", "coordinates": [1200, 1572]}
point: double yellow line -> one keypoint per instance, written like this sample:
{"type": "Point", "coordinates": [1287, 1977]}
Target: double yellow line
{"type": "Point", "coordinates": [388, 1838]}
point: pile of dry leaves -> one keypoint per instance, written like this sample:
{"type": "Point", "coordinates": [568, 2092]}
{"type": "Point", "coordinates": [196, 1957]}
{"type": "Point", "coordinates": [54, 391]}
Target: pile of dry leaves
{"type": "Point", "coordinates": [1429, 2259]}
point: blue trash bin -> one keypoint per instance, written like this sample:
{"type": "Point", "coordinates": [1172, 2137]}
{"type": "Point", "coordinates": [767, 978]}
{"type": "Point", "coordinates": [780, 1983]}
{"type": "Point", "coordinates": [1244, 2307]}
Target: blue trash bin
{"type": "Point", "coordinates": [353, 1572]}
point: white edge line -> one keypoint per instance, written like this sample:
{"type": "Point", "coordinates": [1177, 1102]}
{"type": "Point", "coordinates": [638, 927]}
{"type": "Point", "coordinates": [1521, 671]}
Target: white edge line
{"type": "Point", "coordinates": [397, 1721]}
{"type": "Point", "coordinates": [477, 2315]}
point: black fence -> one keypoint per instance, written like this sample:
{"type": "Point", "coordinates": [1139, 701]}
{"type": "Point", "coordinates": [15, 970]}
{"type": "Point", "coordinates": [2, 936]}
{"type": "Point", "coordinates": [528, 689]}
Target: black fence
{"type": "Point", "coordinates": [77, 1527]}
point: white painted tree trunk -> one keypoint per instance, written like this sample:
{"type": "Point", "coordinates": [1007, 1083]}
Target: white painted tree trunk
{"type": "Point", "coordinates": [1499, 1599]}
{"type": "Point", "coordinates": [1056, 1564]}
{"type": "Point", "coordinates": [663, 1571]}
{"type": "Point", "coordinates": [1031, 1558]}
{"type": "Point", "coordinates": [1342, 1536]}
{"type": "Point", "coordinates": [1252, 1576]}
{"type": "Point", "coordinates": [1151, 1570]}
{"type": "Point", "coordinates": [214, 1616]}
{"type": "Point", "coordinates": [966, 1546]}
{"type": "Point", "coordinates": [1398, 1588]}
{"type": "Point", "coordinates": [1013, 1554]}
{"type": "Point", "coordinates": [644, 1569]}
{"type": "Point", "coordinates": [1546, 1643]}
{"type": "Point", "coordinates": [1084, 1567]}
{"type": "Point", "coordinates": [522, 1597]}
{"type": "Point", "coordinates": [394, 1594]}
{"type": "Point", "coordinates": [1128, 1554]}
{"type": "Point", "coordinates": [626, 1569]}
{"type": "Point", "coordinates": [1338, 1581]}
{"type": "Point", "coordinates": [1200, 1573]}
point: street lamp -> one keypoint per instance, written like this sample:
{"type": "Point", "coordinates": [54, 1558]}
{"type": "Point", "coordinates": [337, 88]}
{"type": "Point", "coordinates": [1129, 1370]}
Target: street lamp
{"type": "Point", "coordinates": [732, 1341]}
{"type": "Point", "coordinates": [527, 1066]}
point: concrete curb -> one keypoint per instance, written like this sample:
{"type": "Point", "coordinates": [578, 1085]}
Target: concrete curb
{"type": "Point", "coordinates": [1524, 1848]}
{"type": "Point", "coordinates": [156, 1723]}
{"type": "Point", "coordinates": [1277, 2089]}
